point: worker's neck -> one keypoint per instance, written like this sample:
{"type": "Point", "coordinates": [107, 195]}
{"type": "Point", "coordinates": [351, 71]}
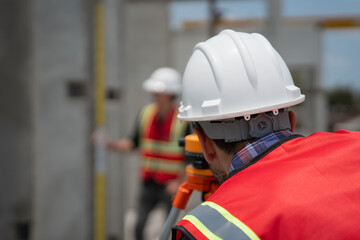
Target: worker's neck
{"type": "Point", "coordinates": [224, 158]}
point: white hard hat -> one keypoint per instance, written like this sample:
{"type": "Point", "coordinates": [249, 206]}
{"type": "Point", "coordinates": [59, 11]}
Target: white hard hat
{"type": "Point", "coordinates": [163, 80]}
{"type": "Point", "coordinates": [235, 74]}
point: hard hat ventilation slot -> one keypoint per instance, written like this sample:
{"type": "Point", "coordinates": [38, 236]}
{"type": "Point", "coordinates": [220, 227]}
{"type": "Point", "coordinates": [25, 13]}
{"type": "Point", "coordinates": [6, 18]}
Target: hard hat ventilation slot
{"type": "Point", "coordinates": [245, 55]}
{"type": "Point", "coordinates": [212, 61]}
{"type": "Point", "coordinates": [274, 55]}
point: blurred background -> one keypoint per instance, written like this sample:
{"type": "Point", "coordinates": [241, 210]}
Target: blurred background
{"type": "Point", "coordinates": [48, 54]}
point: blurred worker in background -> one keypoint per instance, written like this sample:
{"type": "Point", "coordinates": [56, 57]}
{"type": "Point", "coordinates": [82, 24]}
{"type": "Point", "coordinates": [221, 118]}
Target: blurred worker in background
{"type": "Point", "coordinates": [274, 184]}
{"type": "Point", "coordinates": [156, 135]}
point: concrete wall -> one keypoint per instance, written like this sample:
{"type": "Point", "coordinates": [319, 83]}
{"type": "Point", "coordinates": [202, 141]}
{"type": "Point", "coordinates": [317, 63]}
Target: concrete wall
{"type": "Point", "coordinates": [45, 44]}
{"type": "Point", "coordinates": [302, 52]}
{"type": "Point", "coordinates": [64, 165]}
{"type": "Point", "coordinates": [16, 117]}
{"type": "Point", "coordinates": [62, 197]}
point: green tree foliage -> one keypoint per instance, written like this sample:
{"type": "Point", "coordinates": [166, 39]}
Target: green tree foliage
{"type": "Point", "coordinates": [345, 99]}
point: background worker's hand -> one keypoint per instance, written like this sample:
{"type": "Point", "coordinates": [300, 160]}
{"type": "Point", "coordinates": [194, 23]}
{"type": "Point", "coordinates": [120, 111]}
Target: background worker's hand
{"type": "Point", "coordinates": [172, 187]}
{"type": "Point", "coordinates": [102, 137]}
{"type": "Point", "coordinates": [123, 145]}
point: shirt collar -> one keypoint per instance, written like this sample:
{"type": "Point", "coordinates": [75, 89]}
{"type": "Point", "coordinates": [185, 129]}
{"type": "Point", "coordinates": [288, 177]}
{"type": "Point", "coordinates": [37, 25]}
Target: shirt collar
{"type": "Point", "coordinates": [251, 150]}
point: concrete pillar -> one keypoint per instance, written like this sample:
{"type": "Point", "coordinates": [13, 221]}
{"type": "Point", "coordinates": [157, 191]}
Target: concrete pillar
{"type": "Point", "coordinates": [274, 23]}
{"type": "Point", "coordinates": [16, 118]}
{"type": "Point", "coordinates": [321, 110]}
{"type": "Point", "coordinates": [303, 56]}
{"type": "Point", "coordinates": [45, 49]}
{"type": "Point", "coordinates": [62, 171]}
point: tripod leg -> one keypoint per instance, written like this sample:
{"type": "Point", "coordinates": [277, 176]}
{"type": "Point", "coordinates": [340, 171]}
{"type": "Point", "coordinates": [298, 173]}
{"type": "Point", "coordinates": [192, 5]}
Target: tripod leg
{"type": "Point", "coordinates": [170, 223]}
{"type": "Point", "coordinates": [180, 201]}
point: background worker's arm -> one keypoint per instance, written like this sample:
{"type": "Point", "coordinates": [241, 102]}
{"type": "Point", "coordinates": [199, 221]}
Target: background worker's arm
{"type": "Point", "coordinates": [121, 145]}
{"type": "Point", "coordinates": [124, 144]}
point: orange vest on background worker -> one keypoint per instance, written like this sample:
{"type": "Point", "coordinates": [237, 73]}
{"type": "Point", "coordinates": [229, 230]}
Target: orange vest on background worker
{"type": "Point", "coordinates": [162, 157]}
{"type": "Point", "coordinates": [302, 188]}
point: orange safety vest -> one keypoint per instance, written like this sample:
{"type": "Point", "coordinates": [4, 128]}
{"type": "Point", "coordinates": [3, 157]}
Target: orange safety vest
{"type": "Point", "coordinates": [162, 157]}
{"type": "Point", "coordinates": [302, 188]}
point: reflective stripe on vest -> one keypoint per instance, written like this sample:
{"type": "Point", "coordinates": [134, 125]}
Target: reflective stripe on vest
{"type": "Point", "coordinates": [146, 115]}
{"type": "Point", "coordinates": [169, 148]}
{"type": "Point", "coordinates": [161, 156]}
{"type": "Point", "coordinates": [215, 222]}
{"type": "Point", "coordinates": [161, 165]}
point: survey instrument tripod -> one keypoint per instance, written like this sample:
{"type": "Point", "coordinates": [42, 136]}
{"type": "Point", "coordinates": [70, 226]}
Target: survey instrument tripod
{"type": "Point", "coordinates": [199, 178]}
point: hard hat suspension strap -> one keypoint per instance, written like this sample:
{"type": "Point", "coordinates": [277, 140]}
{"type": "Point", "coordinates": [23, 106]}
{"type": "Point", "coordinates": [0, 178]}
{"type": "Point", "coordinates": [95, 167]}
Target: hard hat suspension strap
{"type": "Point", "coordinates": [241, 128]}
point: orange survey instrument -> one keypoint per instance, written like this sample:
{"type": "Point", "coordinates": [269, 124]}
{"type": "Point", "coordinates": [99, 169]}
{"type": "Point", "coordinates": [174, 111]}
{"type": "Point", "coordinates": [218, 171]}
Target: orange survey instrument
{"type": "Point", "coordinates": [199, 178]}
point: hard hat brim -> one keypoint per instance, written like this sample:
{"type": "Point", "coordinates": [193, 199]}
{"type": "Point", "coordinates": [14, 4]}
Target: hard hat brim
{"type": "Point", "coordinates": [182, 115]}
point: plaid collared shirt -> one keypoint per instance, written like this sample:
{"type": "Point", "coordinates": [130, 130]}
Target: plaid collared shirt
{"type": "Point", "coordinates": [251, 150]}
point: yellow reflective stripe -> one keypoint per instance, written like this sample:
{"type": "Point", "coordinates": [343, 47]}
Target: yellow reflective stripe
{"type": "Point", "coordinates": [162, 165]}
{"type": "Point", "coordinates": [161, 146]}
{"type": "Point", "coordinates": [202, 228]}
{"type": "Point", "coordinates": [146, 118]}
{"type": "Point", "coordinates": [232, 219]}
{"type": "Point", "coordinates": [174, 126]}
{"type": "Point", "coordinates": [177, 128]}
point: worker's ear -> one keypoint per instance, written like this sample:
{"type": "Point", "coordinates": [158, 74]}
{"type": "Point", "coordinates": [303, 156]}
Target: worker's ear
{"type": "Point", "coordinates": [207, 145]}
{"type": "Point", "coordinates": [292, 118]}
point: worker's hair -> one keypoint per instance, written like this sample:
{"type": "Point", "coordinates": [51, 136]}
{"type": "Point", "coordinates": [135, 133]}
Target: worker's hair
{"type": "Point", "coordinates": [228, 147]}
